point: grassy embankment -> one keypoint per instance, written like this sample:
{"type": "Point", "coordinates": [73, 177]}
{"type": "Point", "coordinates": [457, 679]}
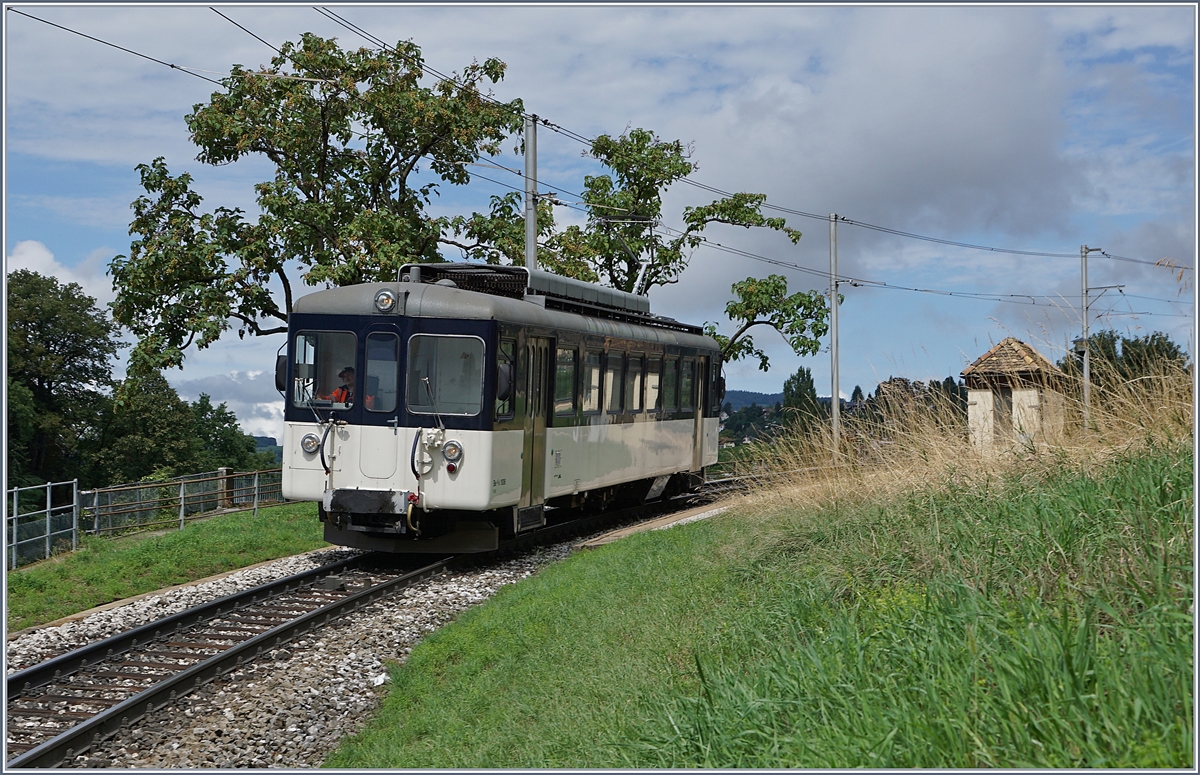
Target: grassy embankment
{"type": "Point", "coordinates": [108, 569]}
{"type": "Point", "coordinates": [926, 606]}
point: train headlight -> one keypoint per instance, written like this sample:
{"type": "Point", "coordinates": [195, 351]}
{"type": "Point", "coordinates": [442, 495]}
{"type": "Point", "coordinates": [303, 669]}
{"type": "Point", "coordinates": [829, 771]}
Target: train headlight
{"type": "Point", "coordinates": [453, 452]}
{"type": "Point", "coordinates": [385, 300]}
{"type": "Point", "coordinates": [310, 443]}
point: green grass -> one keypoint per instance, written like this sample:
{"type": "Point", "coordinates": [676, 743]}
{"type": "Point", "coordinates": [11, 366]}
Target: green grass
{"type": "Point", "coordinates": [1041, 620]}
{"type": "Point", "coordinates": [105, 569]}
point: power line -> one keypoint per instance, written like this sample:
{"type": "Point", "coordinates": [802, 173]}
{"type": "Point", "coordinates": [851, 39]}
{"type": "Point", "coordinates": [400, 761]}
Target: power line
{"type": "Point", "coordinates": [180, 68]}
{"type": "Point", "coordinates": [243, 29]}
{"type": "Point", "coordinates": [778, 208]}
{"type": "Point", "coordinates": [583, 139]}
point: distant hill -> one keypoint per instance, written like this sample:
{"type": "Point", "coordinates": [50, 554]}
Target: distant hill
{"type": "Point", "coordinates": [267, 444]}
{"type": "Point", "coordinates": [743, 398]}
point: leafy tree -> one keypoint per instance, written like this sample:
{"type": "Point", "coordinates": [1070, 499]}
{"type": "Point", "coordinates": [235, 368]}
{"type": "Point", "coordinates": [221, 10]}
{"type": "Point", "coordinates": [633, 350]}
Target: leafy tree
{"type": "Point", "coordinates": [954, 394]}
{"type": "Point", "coordinates": [799, 318]}
{"type": "Point", "coordinates": [624, 244]}
{"type": "Point", "coordinates": [627, 250]}
{"type": "Point", "coordinates": [348, 133]}
{"type": "Point", "coordinates": [147, 432]}
{"type": "Point", "coordinates": [1114, 356]}
{"type": "Point", "coordinates": [220, 442]}
{"type": "Point", "coordinates": [22, 423]}
{"type": "Point", "coordinates": [800, 397]}
{"type": "Point", "coordinates": [499, 238]}
{"type": "Point", "coordinates": [856, 395]}
{"type": "Point", "coordinates": [60, 346]}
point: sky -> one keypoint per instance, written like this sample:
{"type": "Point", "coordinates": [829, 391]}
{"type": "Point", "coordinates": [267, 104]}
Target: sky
{"type": "Point", "coordinates": [1030, 128]}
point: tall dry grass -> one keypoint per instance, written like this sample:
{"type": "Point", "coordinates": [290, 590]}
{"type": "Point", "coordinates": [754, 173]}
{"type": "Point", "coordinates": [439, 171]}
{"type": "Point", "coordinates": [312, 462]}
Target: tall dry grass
{"type": "Point", "coordinates": [907, 441]}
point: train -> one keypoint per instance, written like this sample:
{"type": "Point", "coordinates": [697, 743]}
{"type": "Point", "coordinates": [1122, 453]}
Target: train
{"type": "Point", "coordinates": [464, 404]}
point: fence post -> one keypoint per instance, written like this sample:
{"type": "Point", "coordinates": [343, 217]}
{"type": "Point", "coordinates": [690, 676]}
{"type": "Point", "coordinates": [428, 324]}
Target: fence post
{"type": "Point", "coordinates": [256, 493]}
{"type": "Point", "coordinates": [14, 528]}
{"type": "Point", "coordinates": [223, 499]}
{"type": "Point", "coordinates": [74, 515]}
{"type": "Point", "coordinates": [48, 509]}
{"type": "Point", "coordinates": [181, 494]}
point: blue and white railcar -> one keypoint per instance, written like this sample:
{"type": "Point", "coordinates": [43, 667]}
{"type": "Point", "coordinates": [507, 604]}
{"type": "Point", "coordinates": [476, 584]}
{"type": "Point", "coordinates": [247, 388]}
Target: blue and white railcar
{"type": "Point", "coordinates": [475, 400]}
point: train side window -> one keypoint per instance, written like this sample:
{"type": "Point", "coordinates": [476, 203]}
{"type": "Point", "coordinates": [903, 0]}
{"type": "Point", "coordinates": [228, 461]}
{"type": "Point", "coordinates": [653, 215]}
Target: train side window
{"type": "Point", "coordinates": [318, 358]}
{"type": "Point", "coordinates": [564, 381]}
{"type": "Point", "coordinates": [687, 385]}
{"type": "Point", "coordinates": [590, 384]}
{"type": "Point", "coordinates": [383, 361]}
{"type": "Point", "coordinates": [670, 384]}
{"type": "Point", "coordinates": [613, 382]}
{"type": "Point", "coordinates": [505, 375]}
{"type": "Point", "coordinates": [633, 384]}
{"type": "Point", "coordinates": [653, 384]}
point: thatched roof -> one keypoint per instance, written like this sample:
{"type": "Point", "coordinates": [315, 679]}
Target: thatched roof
{"type": "Point", "coordinates": [1012, 358]}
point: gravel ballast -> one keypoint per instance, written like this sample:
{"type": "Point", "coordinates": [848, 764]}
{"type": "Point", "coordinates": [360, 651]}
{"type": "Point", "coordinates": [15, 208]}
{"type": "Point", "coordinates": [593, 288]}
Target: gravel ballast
{"type": "Point", "coordinates": [293, 708]}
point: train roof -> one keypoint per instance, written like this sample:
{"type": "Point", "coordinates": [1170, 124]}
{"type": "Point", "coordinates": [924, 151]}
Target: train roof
{"type": "Point", "coordinates": [531, 298]}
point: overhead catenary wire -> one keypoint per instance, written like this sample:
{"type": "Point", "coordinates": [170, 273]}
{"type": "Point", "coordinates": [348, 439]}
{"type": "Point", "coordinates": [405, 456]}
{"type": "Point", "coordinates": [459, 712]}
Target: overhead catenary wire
{"type": "Point", "coordinates": [1012, 298]}
{"type": "Point", "coordinates": [374, 39]}
{"type": "Point", "coordinates": [181, 69]}
{"type": "Point", "coordinates": [196, 72]}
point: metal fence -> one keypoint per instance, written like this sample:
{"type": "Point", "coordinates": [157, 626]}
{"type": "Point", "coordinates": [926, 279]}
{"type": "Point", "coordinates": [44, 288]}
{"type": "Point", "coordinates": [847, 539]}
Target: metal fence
{"type": "Point", "coordinates": [41, 525]}
{"type": "Point", "coordinates": [170, 504]}
{"type": "Point", "coordinates": [42, 520]}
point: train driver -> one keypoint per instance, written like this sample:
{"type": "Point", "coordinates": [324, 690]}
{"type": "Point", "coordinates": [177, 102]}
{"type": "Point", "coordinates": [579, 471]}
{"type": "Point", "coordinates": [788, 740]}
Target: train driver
{"type": "Point", "coordinates": [345, 393]}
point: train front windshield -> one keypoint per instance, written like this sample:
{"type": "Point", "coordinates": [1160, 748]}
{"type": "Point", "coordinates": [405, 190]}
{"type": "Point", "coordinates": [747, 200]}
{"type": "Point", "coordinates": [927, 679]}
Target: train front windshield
{"type": "Point", "coordinates": [444, 373]}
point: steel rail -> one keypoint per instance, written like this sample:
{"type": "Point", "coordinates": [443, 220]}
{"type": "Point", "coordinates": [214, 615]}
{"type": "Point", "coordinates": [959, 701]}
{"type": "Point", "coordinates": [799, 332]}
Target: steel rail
{"type": "Point", "coordinates": [73, 661]}
{"type": "Point", "coordinates": [82, 736]}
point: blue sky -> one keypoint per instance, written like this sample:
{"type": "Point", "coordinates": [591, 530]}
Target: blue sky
{"type": "Point", "coordinates": [1032, 127]}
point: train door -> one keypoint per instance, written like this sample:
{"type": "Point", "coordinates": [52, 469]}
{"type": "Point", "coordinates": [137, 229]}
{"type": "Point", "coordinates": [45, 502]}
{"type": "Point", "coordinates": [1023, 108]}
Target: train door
{"type": "Point", "coordinates": [533, 457]}
{"type": "Point", "coordinates": [701, 382]}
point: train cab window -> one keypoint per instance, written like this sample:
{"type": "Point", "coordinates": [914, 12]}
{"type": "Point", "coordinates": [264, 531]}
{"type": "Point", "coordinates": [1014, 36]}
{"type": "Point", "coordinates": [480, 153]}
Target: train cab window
{"type": "Point", "coordinates": [590, 384]}
{"type": "Point", "coordinates": [670, 384]}
{"type": "Point", "coordinates": [653, 384]}
{"type": "Point", "coordinates": [323, 369]}
{"type": "Point", "coordinates": [505, 375]}
{"type": "Point", "coordinates": [445, 374]}
{"type": "Point", "coordinates": [564, 381]}
{"type": "Point", "coordinates": [633, 384]}
{"type": "Point", "coordinates": [613, 381]}
{"type": "Point", "coordinates": [687, 384]}
{"type": "Point", "coordinates": [383, 361]}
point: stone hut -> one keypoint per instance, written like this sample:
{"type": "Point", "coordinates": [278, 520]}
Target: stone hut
{"type": "Point", "coordinates": [1014, 396]}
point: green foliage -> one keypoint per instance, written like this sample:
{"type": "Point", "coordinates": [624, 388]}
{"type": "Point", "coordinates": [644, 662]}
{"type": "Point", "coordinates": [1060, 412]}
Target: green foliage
{"type": "Point", "coordinates": [149, 433]}
{"type": "Point", "coordinates": [800, 318]}
{"type": "Point", "coordinates": [148, 430]}
{"type": "Point", "coordinates": [108, 569]}
{"type": "Point", "coordinates": [1117, 357]}
{"type": "Point", "coordinates": [220, 442]}
{"type": "Point", "coordinates": [800, 397]}
{"type": "Point", "coordinates": [347, 135]}
{"type": "Point", "coordinates": [621, 235]}
{"type": "Point", "coordinates": [621, 245]}
{"type": "Point", "coordinates": [857, 395]}
{"type": "Point", "coordinates": [60, 346]}
{"type": "Point", "coordinates": [499, 237]}
{"type": "Point", "coordinates": [897, 395]}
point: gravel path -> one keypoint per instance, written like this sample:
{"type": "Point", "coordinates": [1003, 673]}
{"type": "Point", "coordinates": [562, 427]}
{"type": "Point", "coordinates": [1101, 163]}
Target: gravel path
{"type": "Point", "coordinates": [290, 710]}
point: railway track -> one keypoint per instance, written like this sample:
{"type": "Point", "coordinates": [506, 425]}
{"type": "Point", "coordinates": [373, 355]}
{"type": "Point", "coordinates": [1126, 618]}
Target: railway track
{"type": "Point", "coordinates": [62, 707]}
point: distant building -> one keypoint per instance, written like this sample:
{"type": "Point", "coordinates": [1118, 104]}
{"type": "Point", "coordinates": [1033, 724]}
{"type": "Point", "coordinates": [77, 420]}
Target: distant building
{"type": "Point", "coordinates": [1014, 396]}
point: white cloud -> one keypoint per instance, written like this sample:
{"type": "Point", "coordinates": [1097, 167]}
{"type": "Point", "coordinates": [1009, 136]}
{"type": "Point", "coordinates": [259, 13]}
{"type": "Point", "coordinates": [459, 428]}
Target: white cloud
{"type": "Point", "coordinates": [1036, 128]}
{"type": "Point", "coordinates": [88, 274]}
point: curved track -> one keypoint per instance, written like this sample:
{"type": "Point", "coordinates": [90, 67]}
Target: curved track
{"type": "Point", "coordinates": [61, 707]}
